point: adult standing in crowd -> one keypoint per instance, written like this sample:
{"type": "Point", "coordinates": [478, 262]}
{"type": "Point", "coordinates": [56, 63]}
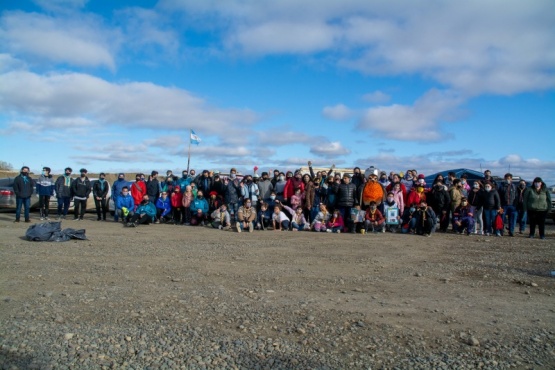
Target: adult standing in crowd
{"type": "Point", "coordinates": [23, 188]}
{"type": "Point", "coordinates": [491, 206]}
{"type": "Point", "coordinates": [346, 199]}
{"type": "Point", "coordinates": [153, 187]}
{"type": "Point", "coordinates": [81, 189]}
{"type": "Point", "coordinates": [63, 192]}
{"type": "Point", "coordinates": [45, 189]}
{"type": "Point", "coordinates": [100, 195]}
{"type": "Point", "coordinates": [537, 204]}
{"type": "Point", "coordinates": [507, 195]}
{"type": "Point", "coordinates": [138, 189]}
{"type": "Point", "coordinates": [519, 204]}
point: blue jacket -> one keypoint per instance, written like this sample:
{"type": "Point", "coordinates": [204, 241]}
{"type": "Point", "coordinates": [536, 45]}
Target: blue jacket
{"type": "Point", "coordinates": [45, 185]}
{"type": "Point", "coordinates": [201, 204]}
{"type": "Point", "coordinates": [184, 181]}
{"type": "Point", "coordinates": [149, 209]}
{"type": "Point", "coordinates": [164, 205]}
{"type": "Point", "coordinates": [126, 202]}
{"type": "Point", "coordinates": [118, 186]}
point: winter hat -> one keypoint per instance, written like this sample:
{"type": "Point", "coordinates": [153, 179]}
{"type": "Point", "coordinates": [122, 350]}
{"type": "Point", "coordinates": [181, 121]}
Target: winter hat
{"type": "Point", "coordinates": [421, 176]}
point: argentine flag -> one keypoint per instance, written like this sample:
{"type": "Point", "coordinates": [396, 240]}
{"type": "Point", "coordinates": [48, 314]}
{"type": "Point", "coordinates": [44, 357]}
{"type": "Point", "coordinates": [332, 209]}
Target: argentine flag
{"type": "Point", "coordinates": [194, 138]}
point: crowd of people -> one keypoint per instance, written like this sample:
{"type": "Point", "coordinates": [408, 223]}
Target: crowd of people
{"type": "Point", "coordinates": [324, 201]}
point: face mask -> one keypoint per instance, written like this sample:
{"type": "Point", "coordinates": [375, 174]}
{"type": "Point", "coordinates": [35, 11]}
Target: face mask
{"type": "Point", "coordinates": [24, 173]}
{"type": "Point", "coordinates": [68, 173]}
{"type": "Point", "coordinates": [125, 192]}
{"type": "Point", "coordinates": [120, 178]}
{"type": "Point", "coordinates": [199, 196]}
{"type": "Point", "coordinates": [463, 182]}
{"type": "Point", "coordinates": [83, 174]}
{"type": "Point", "coordinates": [464, 203]}
{"type": "Point", "coordinates": [476, 186]}
{"type": "Point", "coordinates": [538, 185]}
{"type": "Point", "coordinates": [372, 207]}
{"type": "Point", "coordinates": [44, 173]}
{"type": "Point", "coordinates": [233, 175]}
{"type": "Point", "coordinates": [281, 178]}
{"type": "Point", "coordinates": [144, 201]}
{"type": "Point", "coordinates": [488, 188]}
{"type": "Point", "coordinates": [247, 204]}
{"type": "Point", "coordinates": [184, 175]}
{"type": "Point", "coordinates": [389, 199]}
{"type": "Point", "coordinates": [102, 179]}
{"type": "Point", "coordinates": [412, 209]}
{"type": "Point", "coordinates": [522, 186]}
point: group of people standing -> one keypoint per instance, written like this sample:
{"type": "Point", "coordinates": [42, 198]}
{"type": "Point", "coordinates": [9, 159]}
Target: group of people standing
{"type": "Point", "coordinates": [321, 201]}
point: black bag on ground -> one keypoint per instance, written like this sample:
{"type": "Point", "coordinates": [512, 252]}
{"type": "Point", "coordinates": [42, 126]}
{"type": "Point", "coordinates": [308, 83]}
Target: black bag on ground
{"type": "Point", "coordinates": [42, 232]}
{"type": "Point", "coordinates": [67, 234]}
{"type": "Point", "coordinates": [52, 232]}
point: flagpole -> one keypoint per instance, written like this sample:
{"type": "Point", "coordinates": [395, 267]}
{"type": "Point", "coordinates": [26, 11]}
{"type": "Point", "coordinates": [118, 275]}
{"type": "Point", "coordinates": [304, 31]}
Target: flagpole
{"type": "Point", "coordinates": [189, 154]}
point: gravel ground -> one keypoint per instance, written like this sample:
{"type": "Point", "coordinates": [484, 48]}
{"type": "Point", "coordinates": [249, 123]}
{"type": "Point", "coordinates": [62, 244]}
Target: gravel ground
{"type": "Point", "coordinates": [171, 297]}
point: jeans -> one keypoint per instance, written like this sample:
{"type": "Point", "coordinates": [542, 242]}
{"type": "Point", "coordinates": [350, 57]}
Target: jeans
{"type": "Point", "coordinates": [63, 202]}
{"type": "Point", "coordinates": [509, 217]}
{"type": "Point", "coordinates": [478, 220]}
{"type": "Point", "coordinates": [80, 208]}
{"type": "Point", "coordinates": [101, 208]}
{"type": "Point", "coordinates": [521, 220]}
{"type": "Point", "coordinates": [346, 215]}
{"type": "Point", "coordinates": [297, 226]}
{"type": "Point", "coordinates": [466, 223]}
{"type": "Point", "coordinates": [489, 218]}
{"type": "Point", "coordinates": [19, 202]}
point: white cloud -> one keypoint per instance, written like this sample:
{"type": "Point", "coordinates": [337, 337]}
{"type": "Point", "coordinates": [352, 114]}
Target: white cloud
{"type": "Point", "coordinates": [282, 137]}
{"type": "Point", "coordinates": [78, 40]}
{"type": "Point", "coordinates": [500, 47]}
{"type": "Point", "coordinates": [73, 97]}
{"type": "Point", "coordinates": [419, 122]}
{"type": "Point", "coordinates": [376, 97]}
{"type": "Point", "coordinates": [339, 112]}
{"type": "Point", "coordinates": [329, 149]}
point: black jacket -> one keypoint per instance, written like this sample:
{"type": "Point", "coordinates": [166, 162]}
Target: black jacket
{"type": "Point", "coordinates": [476, 198]}
{"type": "Point", "coordinates": [491, 200]}
{"type": "Point", "coordinates": [440, 199]}
{"type": "Point", "coordinates": [153, 188]}
{"type": "Point", "coordinates": [23, 186]}
{"type": "Point", "coordinates": [81, 187]}
{"type": "Point", "coordinates": [204, 184]}
{"type": "Point", "coordinates": [98, 191]}
{"type": "Point", "coordinates": [507, 193]}
{"type": "Point", "coordinates": [345, 194]}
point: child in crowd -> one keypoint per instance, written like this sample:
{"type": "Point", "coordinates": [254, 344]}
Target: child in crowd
{"type": "Point", "coordinates": [390, 205]}
{"type": "Point", "coordinates": [374, 220]}
{"type": "Point", "coordinates": [335, 223]}
{"type": "Point", "coordinates": [264, 219]}
{"type": "Point", "coordinates": [408, 220]}
{"type": "Point", "coordinates": [163, 208]}
{"type": "Point", "coordinates": [298, 221]}
{"type": "Point", "coordinates": [186, 203]}
{"type": "Point", "coordinates": [357, 215]}
{"type": "Point", "coordinates": [498, 224]}
{"type": "Point", "coordinates": [296, 199]}
{"type": "Point", "coordinates": [279, 219]}
{"type": "Point", "coordinates": [221, 218]}
{"type": "Point", "coordinates": [321, 219]}
{"type": "Point", "coordinates": [463, 218]}
{"type": "Point", "coordinates": [176, 201]}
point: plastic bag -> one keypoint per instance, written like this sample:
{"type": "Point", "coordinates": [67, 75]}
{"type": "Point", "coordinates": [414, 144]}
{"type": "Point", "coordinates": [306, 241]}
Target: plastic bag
{"type": "Point", "coordinates": [43, 232]}
{"type": "Point", "coordinates": [52, 232]}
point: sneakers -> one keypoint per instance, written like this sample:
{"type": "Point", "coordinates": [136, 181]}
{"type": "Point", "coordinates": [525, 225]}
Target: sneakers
{"type": "Point", "coordinates": [156, 222]}
{"type": "Point", "coordinates": [251, 227]}
{"type": "Point", "coordinates": [327, 230]}
{"type": "Point", "coordinates": [41, 218]}
{"type": "Point", "coordinates": [239, 227]}
{"type": "Point", "coordinates": [16, 220]}
{"type": "Point", "coordinates": [339, 231]}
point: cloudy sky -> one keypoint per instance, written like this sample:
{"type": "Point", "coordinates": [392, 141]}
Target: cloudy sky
{"type": "Point", "coordinates": [434, 85]}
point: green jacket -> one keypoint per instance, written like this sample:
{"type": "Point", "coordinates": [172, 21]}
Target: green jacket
{"type": "Point", "coordinates": [537, 201]}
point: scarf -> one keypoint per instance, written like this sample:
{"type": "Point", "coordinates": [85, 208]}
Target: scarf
{"type": "Point", "coordinates": [67, 181]}
{"type": "Point", "coordinates": [102, 181]}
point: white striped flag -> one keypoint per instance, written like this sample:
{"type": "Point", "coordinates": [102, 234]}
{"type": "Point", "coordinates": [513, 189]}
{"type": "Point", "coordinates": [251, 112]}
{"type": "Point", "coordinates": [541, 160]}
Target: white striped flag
{"type": "Point", "coordinates": [195, 139]}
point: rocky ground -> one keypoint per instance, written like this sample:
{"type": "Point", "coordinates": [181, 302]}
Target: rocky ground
{"type": "Point", "coordinates": [165, 297]}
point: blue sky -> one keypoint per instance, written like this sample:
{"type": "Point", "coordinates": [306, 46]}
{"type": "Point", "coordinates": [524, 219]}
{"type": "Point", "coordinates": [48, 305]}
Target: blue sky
{"type": "Point", "coordinates": [116, 85]}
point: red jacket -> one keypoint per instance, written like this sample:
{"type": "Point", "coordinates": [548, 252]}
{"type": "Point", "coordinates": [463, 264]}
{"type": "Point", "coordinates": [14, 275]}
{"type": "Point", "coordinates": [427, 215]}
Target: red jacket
{"type": "Point", "coordinates": [176, 199]}
{"type": "Point", "coordinates": [138, 191]}
{"type": "Point", "coordinates": [377, 216]}
{"type": "Point", "coordinates": [415, 197]}
{"type": "Point", "coordinates": [335, 222]}
{"type": "Point", "coordinates": [290, 187]}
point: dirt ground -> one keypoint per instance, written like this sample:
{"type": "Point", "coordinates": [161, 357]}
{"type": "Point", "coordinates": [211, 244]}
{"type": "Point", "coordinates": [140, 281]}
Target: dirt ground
{"type": "Point", "coordinates": [343, 301]}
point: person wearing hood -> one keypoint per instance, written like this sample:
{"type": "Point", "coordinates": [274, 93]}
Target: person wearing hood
{"type": "Point", "coordinates": [117, 188]}
{"type": "Point", "coordinates": [81, 189]}
{"type": "Point", "coordinates": [199, 209]}
{"type": "Point", "coordinates": [23, 188]}
{"type": "Point", "coordinates": [218, 185]}
{"type": "Point", "coordinates": [100, 193]}
{"type": "Point", "coordinates": [357, 178]}
{"type": "Point", "coordinates": [45, 189]}
{"type": "Point", "coordinates": [63, 192]}
{"type": "Point", "coordinates": [537, 202]}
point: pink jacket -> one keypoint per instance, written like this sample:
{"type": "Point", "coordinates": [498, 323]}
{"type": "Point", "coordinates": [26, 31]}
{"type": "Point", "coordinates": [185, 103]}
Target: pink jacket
{"type": "Point", "coordinates": [187, 198]}
{"type": "Point", "coordinates": [399, 199]}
